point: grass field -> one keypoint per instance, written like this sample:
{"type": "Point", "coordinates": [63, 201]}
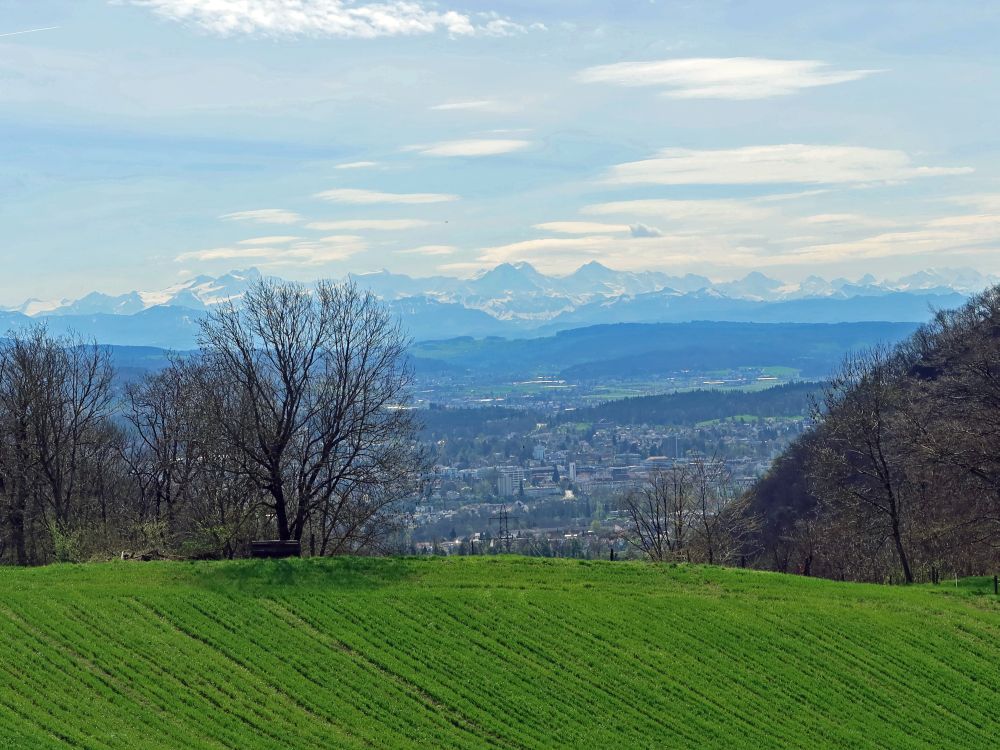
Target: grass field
{"type": "Point", "coordinates": [489, 652]}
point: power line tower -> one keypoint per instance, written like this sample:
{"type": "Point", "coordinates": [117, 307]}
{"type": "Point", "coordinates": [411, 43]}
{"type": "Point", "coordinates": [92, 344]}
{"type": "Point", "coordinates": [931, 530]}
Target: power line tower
{"type": "Point", "coordinates": [503, 518]}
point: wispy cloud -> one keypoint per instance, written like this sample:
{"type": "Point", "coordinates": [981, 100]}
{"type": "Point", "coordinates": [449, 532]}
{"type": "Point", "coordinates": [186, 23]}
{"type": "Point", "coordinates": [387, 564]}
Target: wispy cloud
{"type": "Point", "coordinates": [644, 230]}
{"type": "Point", "coordinates": [368, 197]}
{"type": "Point", "coordinates": [582, 227]}
{"type": "Point", "coordinates": [357, 165]}
{"type": "Point", "coordinates": [329, 18]}
{"type": "Point", "coordinates": [472, 147]}
{"type": "Point", "coordinates": [982, 201]}
{"type": "Point", "coordinates": [357, 225]}
{"type": "Point", "coordinates": [730, 211]}
{"type": "Point", "coordinates": [429, 250]}
{"type": "Point", "coordinates": [274, 240]}
{"type": "Point", "coordinates": [598, 228]}
{"type": "Point", "coordinates": [843, 220]}
{"type": "Point", "coordinates": [28, 31]}
{"type": "Point", "coordinates": [302, 253]}
{"type": "Point", "coordinates": [722, 77]}
{"type": "Point", "coordinates": [481, 105]}
{"type": "Point", "coordinates": [786, 163]}
{"type": "Point", "coordinates": [938, 240]}
{"type": "Point", "coordinates": [557, 254]}
{"type": "Point", "coordinates": [264, 216]}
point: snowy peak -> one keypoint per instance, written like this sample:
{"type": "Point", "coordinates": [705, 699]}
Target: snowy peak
{"type": "Point", "coordinates": [197, 293]}
{"type": "Point", "coordinates": [519, 293]}
{"type": "Point", "coordinates": [753, 286]}
{"type": "Point", "coordinates": [965, 280]}
{"type": "Point", "coordinates": [510, 277]}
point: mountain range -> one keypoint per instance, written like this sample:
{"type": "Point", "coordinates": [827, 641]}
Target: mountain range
{"type": "Point", "coordinates": [518, 300]}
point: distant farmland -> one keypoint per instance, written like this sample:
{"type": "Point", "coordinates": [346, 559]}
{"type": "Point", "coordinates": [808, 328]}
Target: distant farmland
{"type": "Point", "coordinates": [488, 652]}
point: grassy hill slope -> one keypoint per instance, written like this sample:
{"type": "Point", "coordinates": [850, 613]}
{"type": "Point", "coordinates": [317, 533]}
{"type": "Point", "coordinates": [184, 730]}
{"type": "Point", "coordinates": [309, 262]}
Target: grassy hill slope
{"type": "Point", "coordinates": [498, 652]}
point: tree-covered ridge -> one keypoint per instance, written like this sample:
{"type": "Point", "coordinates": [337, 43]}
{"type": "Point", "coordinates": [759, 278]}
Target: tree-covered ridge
{"type": "Point", "coordinates": [630, 349]}
{"type": "Point", "coordinates": [900, 478]}
{"type": "Point", "coordinates": [702, 405]}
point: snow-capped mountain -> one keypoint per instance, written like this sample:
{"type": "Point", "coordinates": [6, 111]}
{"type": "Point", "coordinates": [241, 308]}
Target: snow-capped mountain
{"type": "Point", "coordinates": [516, 299]}
{"type": "Point", "coordinates": [198, 293]}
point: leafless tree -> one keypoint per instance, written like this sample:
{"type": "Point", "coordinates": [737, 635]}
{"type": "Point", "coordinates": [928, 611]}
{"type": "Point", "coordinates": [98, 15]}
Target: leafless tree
{"type": "Point", "coordinates": [188, 482]}
{"type": "Point", "coordinates": [661, 513]}
{"type": "Point", "coordinates": [722, 521]}
{"type": "Point", "coordinates": [860, 465]}
{"type": "Point", "coordinates": [55, 411]}
{"type": "Point", "coordinates": [314, 409]}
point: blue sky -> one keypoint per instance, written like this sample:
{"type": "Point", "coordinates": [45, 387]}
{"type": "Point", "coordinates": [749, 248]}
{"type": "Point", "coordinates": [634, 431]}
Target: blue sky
{"type": "Point", "coordinates": [144, 141]}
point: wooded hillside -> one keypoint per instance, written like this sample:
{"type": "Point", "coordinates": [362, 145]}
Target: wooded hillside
{"type": "Point", "coordinates": [900, 478]}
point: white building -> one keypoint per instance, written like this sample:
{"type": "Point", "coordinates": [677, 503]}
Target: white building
{"type": "Point", "coordinates": [509, 481]}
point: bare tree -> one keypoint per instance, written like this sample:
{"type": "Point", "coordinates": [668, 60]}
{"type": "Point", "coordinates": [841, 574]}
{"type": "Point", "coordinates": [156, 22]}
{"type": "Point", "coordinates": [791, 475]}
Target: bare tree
{"type": "Point", "coordinates": [19, 394]}
{"type": "Point", "coordinates": [71, 419]}
{"type": "Point", "coordinates": [55, 411]}
{"type": "Point", "coordinates": [661, 513]}
{"type": "Point", "coordinates": [187, 480]}
{"type": "Point", "coordinates": [860, 464]}
{"type": "Point", "coordinates": [314, 404]}
{"type": "Point", "coordinates": [957, 375]}
{"type": "Point", "coordinates": [722, 520]}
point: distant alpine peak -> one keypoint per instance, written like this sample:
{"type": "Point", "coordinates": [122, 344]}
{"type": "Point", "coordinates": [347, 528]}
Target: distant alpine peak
{"type": "Point", "coordinates": [197, 293]}
{"type": "Point", "coordinates": [517, 291]}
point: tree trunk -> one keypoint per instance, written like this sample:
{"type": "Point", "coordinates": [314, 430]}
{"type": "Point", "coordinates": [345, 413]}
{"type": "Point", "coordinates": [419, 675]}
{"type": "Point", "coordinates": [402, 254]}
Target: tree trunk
{"type": "Point", "coordinates": [898, 540]}
{"type": "Point", "coordinates": [17, 530]}
{"type": "Point", "coordinates": [281, 513]}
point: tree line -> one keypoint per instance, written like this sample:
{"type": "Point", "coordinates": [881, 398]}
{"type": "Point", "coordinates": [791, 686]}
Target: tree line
{"type": "Point", "coordinates": [899, 478]}
{"type": "Point", "coordinates": [292, 421]}
{"type": "Point", "coordinates": [702, 405]}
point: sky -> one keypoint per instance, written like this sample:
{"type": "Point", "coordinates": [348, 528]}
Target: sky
{"type": "Point", "coordinates": [146, 141]}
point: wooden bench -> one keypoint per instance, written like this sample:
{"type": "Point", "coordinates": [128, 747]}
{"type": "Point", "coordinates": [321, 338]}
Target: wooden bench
{"type": "Point", "coordinates": [275, 548]}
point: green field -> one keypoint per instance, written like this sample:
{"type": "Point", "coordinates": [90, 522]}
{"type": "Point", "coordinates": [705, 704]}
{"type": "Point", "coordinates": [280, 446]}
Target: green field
{"type": "Point", "coordinates": [489, 652]}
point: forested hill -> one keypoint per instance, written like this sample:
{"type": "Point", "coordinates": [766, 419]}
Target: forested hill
{"type": "Point", "coordinates": [692, 407]}
{"type": "Point", "coordinates": [630, 350]}
{"type": "Point", "coordinates": [900, 477]}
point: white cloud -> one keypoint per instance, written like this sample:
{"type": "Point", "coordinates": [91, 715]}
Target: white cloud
{"type": "Point", "coordinates": [582, 227]}
{"type": "Point", "coordinates": [430, 250]}
{"type": "Point", "coordinates": [328, 18]}
{"type": "Point", "coordinates": [275, 240]}
{"type": "Point", "coordinates": [643, 230]}
{"type": "Point", "coordinates": [787, 163]}
{"type": "Point", "coordinates": [264, 216]}
{"type": "Point", "coordinates": [730, 211]}
{"type": "Point", "coordinates": [355, 225]}
{"type": "Point", "coordinates": [971, 221]}
{"type": "Point", "coordinates": [830, 219]}
{"type": "Point", "coordinates": [472, 147]}
{"type": "Point", "coordinates": [722, 77]}
{"type": "Point", "coordinates": [889, 244]}
{"type": "Point", "coordinates": [844, 220]}
{"type": "Point", "coordinates": [305, 253]}
{"type": "Point", "coordinates": [974, 234]}
{"type": "Point", "coordinates": [29, 31]}
{"type": "Point", "coordinates": [482, 105]}
{"type": "Point", "coordinates": [367, 197]}
{"type": "Point", "coordinates": [556, 254]}
{"type": "Point", "coordinates": [357, 165]}
{"type": "Point", "coordinates": [592, 227]}
{"type": "Point", "coordinates": [982, 201]}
